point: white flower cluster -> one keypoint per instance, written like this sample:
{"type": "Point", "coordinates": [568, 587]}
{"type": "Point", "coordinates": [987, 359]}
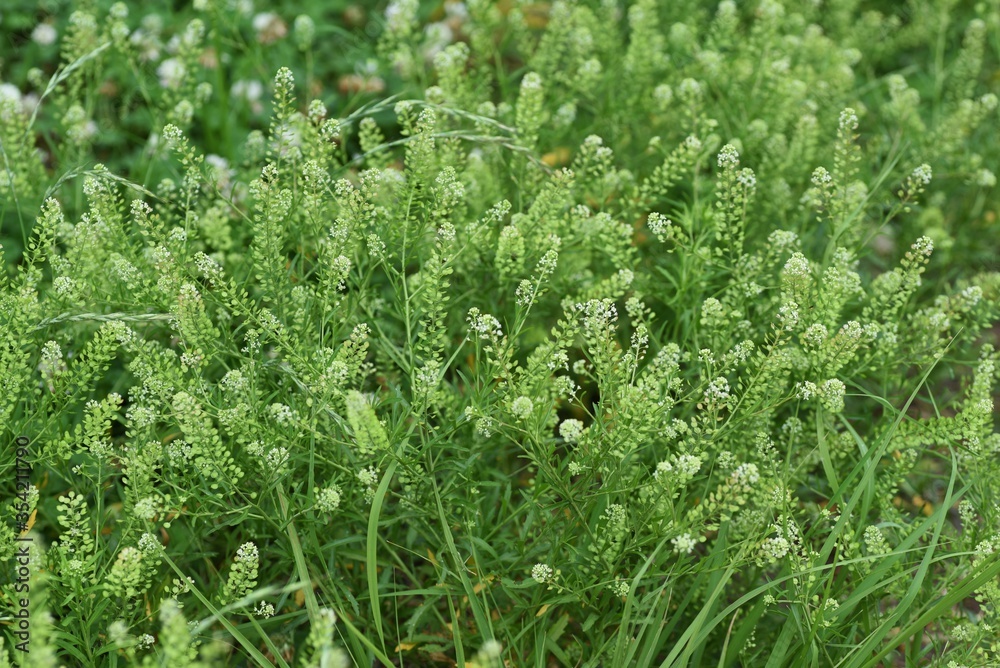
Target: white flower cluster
{"type": "Point", "coordinates": [522, 407]}
{"type": "Point", "coordinates": [51, 362]}
{"type": "Point", "coordinates": [663, 95]}
{"type": "Point", "coordinates": [680, 467]}
{"type": "Point", "coordinates": [924, 246]}
{"type": "Point", "coordinates": [830, 393]}
{"type": "Point", "coordinates": [247, 552]}
{"type": "Point", "coordinates": [985, 178]}
{"type": "Point", "coordinates": [207, 266]}
{"type": "Point", "coordinates": [830, 608]}
{"type": "Point", "coordinates": [172, 135]}
{"type": "Point", "coordinates": [782, 239]}
{"type": "Point", "coordinates": [689, 89]}
{"type": "Point", "coordinates": [922, 174]}
{"type": "Point", "coordinates": [774, 549]}
{"type": "Point", "coordinates": [149, 544]}
{"type": "Point", "coordinates": [746, 178]}
{"type": "Point", "coordinates": [369, 479]}
{"type": "Point", "coordinates": [368, 476]}
{"type": "Point", "coordinates": [281, 413]}
{"type": "Point", "coordinates": [848, 119]}
{"type": "Point", "coordinates": [717, 391]}
{"type": "Point", "coordinates": [264, 610]}
{"type": "Point", "coordinates": [484, 325]}
{"type": "Point", "coordinates": [276, 460]}
{"type": "Point", "coordinates": [745, 475]}
{"type": "Point", "coordinates": [713, 313]}
{"type": "Point", "coordinates": [327, 499]}
{"type": "Point", "coordinates": [729, 157]}
{"type": "Point", "coordinates": [687, 466]}
{"type": "Point", "coordinates": [660, 225]}
{"type": "Point", "coordinates": [305, 31]}
{"type": "Point", "coordinates": [234, 381]}
{"type": "Point", "coordinates": [599, 314]}
{"type": "Point", "coordinates": [171, 73]}
{"type": "Point", "coordinates": [684, 544]}
{"type": "Point", "coordinates": [400, 15]}
{"type": "Point", "coordinates": [44, 34]}
{"type": "Point", "coordinates": [284, 81]}
{"type": "Point", "coordinates": [485, 426]}
{"type": "Point", "coordinates": [620, 588]}
{"type": "Point", "coordinates": [243, 573]}
{"type": "Point", "coordinates": [571, 430]}
{"type": "Point", "coordinates": [788, 316]}
{"type": "Point", "coordinates": [615, 514]}
{"type": "Point", "coordinates": [815, 334]}
{"type": "Point", "coordinates": [146, 508]}
{"type": "Point", "coordinates": [821, 177]}
{"type": "Point", "coordinates": [796, 268]}
{"type": "Point", "coordinates": [742, 351]}
{"type": "Point", "coordinates": [542, 573]}
{"type": "Point", "coordinates": [64, 286]}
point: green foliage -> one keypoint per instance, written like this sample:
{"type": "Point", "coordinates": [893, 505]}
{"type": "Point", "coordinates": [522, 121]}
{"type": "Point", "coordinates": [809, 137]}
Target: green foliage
{"type": "Point", "coordinates": [569, 333]}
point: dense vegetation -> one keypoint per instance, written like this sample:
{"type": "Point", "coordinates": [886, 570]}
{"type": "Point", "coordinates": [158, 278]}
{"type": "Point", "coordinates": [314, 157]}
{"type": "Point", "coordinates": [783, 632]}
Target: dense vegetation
{"type": "Point", "coordinates": [479, 334]}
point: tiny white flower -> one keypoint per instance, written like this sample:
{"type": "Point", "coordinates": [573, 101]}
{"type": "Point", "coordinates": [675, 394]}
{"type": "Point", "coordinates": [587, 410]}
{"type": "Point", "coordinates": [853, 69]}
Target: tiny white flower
{"type": "Point", "coordinates": [616, 514]}
{"type": "Point", "coordinates": [922, 174]}
{"type": "Point", "coordinates": [247, 552]}
{"type": "Point", "coordinates": [774, 548]}
{"type": "Point", "coordinates": [64, 286]}
{"type": "Point", "coordinates": [663, 468]}
{"type": "Point", "coordinates": [689, 89]}
{"type": "Point", "coordinates": [848, 119]}
{"type": "Point", "coordinates": [146, 508]}
{"type": "Point", "coordinates": [542, 573]}
{"type": "Point", "coordinates": [570, 430]}
{"type": "Point", "coordinates": [264, 610]}
{"type": "Point", "coordinates": [171, 73]}
{"type": "Point", "coordinates": [717, 391]}
{"type": "Point", "coordinates": [663, 95]}
{"type": "Point", "coordinates": [522, 407]}
{"type": "Point", "coordinates": [688, 465]}
{"type": "Point", "coordinates": [797, 267]}
{"type": "Point", "coordinates": [985, 178]}
{"type": "Point", "coordinates": [282, 414]}
{"type": "Point", "coordinates": [149, 544]}
{"type": "Point", "coordinates": [746, 178]}
{"type": "Point", "coordinates": [729, 158]}
{"type": "Point", "coordinates": [276, 460]}
{"type": "Point", "coordinates": [745, 475]}
{"type": "Point", "coordinates": [620, 588]}
{"type": "Point", "coordinates": [684, 544]}
{"type": "Point", "coordinates": [44, 34]}
{"type": "Point", "coordinates": [328, 499]}
{"type": "Point", "coordinates": [368, 477]}
{"type": "Point", "coordinates": [284, 80]}
{"type": "Point", "coordinates": [659, 225]}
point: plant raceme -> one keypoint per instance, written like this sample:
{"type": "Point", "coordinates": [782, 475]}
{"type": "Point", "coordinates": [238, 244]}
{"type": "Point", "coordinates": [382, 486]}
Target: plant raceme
{"type": "Point", "coordinates": [618, 336]}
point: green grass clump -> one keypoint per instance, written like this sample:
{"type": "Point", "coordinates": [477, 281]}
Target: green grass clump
{"type": "Point", "coordinates": [482, 334]}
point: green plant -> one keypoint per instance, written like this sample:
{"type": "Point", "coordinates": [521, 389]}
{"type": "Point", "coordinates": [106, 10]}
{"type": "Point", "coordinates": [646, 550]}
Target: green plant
{"type": "Point", "coordinates": [620, 336]}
